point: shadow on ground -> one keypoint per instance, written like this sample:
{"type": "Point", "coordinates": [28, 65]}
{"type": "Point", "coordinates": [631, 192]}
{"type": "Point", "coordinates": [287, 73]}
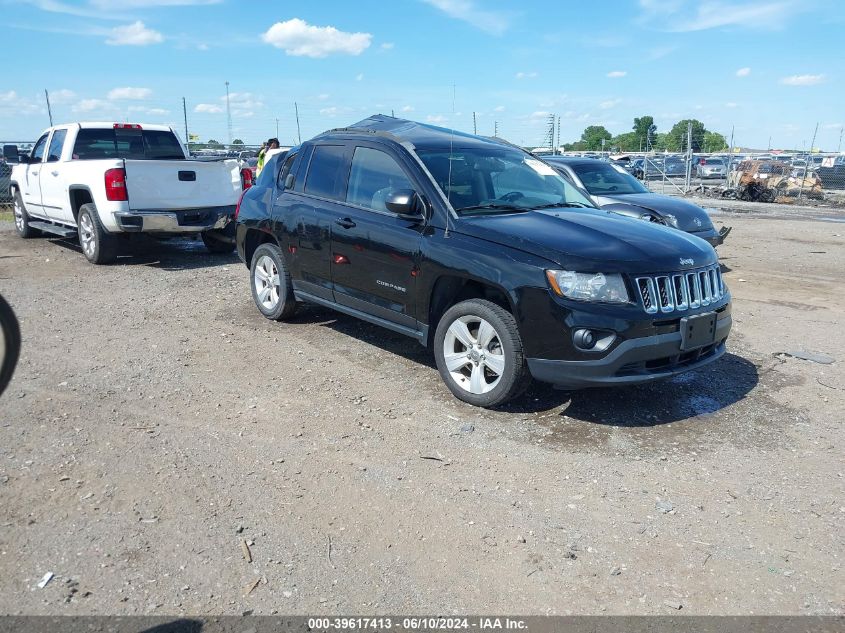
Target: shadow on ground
{"type": "Point", "coordinates": [167, 254]}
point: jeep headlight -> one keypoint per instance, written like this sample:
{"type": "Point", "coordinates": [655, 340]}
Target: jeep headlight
{"type": "Point", "coordinates": [588, 286]}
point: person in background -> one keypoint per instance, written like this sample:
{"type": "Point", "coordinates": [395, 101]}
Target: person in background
{"type": "Point", "coordinates": [264, 154]}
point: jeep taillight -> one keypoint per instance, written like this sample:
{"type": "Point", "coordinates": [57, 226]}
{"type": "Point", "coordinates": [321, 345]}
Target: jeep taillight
{"type": "Point", "coordinates": [116, 185]}
{"type": "Point", "coordinates": [246, 178]}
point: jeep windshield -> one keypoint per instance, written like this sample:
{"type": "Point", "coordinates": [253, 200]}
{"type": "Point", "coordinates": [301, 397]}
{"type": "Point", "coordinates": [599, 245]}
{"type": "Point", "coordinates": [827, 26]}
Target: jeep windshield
{"type": "Point", "coordinates": [497, 179]}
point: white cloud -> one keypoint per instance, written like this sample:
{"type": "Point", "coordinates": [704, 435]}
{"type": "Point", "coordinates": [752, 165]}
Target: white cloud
{"type": "Point", "coordinates": [743, 72]}
{"type": "Point", "coordinates": [323, 96]}
{"type": "Point", "coordinates": [208, 108]}
{"type": "Point", "coordinates": [243, 101]}
{"type": "Point", "coordinates": [492, 22]}
{"type": "Point", "coordinates": [802, 80]}
{"type": "Point", "coordinates": [62, 96]}
{"type": "Point", "coordinates": [435, 118]}
{"type": "Point", "coordinates": [731, 104]}
{"type": "Point", "coordinates": [202, 47]}
{"type": "Point", "coordinates": [613, 74]}
{"type": "Point", "coordinates": [8, 97]}
{"type": "Point", "coordinates": [539, 114]}
{"type": "Point", "coordinates": [522, 75]}
{"type": "Point", "coordinates": [682, 16]}
{"type": "Point", "coordinates": [387, 46]}
{"type": "Point", "coordinates": [135, 94]}
{"type": "Point", "coordinates": [359, 77]}
{"type": "Point", "coordinates": [116, 5]}
{"type": "Point", "coordinates": [610, 103]}
{"type": "Point", "coordinates": [408, 108]}
{"type": "Point", "coordinates": [146, 110]}
{"type": "Point", "coordinates": [90, 105]}
{"type": "Point", "coordinates": [300, 39]}
{"type": "Point", "coordinates": [135, 34]}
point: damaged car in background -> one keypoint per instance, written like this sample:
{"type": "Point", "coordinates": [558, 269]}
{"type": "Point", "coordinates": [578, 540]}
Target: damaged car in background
{"type": "Point", "coordinates": [613, 189]}
{"type": "Point", "coordinates": [770, 181]}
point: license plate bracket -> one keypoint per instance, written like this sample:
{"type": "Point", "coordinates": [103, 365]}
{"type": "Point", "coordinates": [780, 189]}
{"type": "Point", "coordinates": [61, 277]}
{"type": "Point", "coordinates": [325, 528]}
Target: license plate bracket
{"type": "Point", "coordinates": [698, 331]}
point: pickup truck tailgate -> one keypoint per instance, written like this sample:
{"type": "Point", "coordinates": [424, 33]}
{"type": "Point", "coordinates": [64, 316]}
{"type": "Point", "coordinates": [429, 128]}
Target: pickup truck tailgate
{"type": "Point", "coordinates": [182, 184]}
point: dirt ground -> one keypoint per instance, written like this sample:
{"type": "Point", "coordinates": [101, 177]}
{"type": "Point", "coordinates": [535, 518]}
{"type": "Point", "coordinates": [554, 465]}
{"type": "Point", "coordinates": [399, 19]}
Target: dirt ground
{"type": "Point", "coordinates": [164, 449]}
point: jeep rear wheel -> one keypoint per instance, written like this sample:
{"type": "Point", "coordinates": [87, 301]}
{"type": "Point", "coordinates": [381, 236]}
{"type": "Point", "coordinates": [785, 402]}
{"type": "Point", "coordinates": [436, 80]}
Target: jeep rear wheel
{"type": "Point", "coordinates": [272, 289]}
{"type": "Point", "coordinates": [479, 353]}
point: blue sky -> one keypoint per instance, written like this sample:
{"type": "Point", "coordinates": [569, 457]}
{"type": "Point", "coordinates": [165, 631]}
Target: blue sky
{"type": "Point", "coordinates": [769, 68]}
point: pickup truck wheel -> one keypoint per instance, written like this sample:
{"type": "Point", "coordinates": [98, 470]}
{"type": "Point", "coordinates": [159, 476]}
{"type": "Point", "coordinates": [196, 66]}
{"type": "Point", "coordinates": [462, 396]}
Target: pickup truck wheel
{"type": "Point", "coordinates": [219, 240]}
{"type": "Point", "coordinates": [98, 246]}
{"type": "Point", "coordinates": [272, 289]}
{"type": "Point", "coordinates": [22, 219]}
{"type": "Point", "coordinates": [479, 353]}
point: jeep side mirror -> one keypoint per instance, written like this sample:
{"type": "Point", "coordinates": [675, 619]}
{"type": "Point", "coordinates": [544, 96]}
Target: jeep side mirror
{"type": "Point", "coordinates": [11, 155]}
{"type": "Point", "coordinates": [404, 202]}
{"type": "Point", "coordinates": [289, 181]}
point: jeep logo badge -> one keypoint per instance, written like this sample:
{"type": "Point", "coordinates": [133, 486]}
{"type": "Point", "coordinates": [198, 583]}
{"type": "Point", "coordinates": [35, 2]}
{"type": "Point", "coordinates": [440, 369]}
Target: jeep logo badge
{"type": "Point", "coordinates": [687, 262]}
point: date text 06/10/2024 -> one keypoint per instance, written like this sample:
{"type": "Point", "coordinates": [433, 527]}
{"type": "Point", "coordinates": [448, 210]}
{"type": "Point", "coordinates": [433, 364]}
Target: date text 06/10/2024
{"type": "Point", "coordinates": [415, 623]}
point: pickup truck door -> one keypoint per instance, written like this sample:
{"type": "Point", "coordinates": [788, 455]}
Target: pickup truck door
{"type": "Point", "coordinates": [374, 251]}
{"type": "Point", "coordinates": [31, 185]}
{"type": "Point", "coordinates": [54, 194]}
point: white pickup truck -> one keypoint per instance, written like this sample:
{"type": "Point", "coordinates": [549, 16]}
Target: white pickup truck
{"type": "Point", "coordinates": [104, 181]}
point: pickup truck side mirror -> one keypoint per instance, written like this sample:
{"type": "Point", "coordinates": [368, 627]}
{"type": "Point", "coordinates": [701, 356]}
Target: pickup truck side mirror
{"type": "Point", "coordinates": [405, 203]}
{"type": "Point", "coordinates": [12, 156]}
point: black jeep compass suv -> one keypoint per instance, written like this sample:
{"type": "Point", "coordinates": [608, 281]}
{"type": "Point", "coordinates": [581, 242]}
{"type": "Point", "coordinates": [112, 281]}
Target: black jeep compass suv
{"type": "Point", "coordinates": [484, 253]}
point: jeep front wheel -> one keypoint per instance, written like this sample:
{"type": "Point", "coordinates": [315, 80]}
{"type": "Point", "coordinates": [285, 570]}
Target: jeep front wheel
{"type": "Point", "coordinates": [479, 353]}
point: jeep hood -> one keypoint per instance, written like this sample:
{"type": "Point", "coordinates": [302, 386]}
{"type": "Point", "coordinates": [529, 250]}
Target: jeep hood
{"type": "Point", "coordinates": [685, 212]}
{"type": "Point", "coordinates": [592, 240]}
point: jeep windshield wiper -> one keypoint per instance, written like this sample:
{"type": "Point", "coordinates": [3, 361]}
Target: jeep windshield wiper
{"type": "Point", "coordinates": [562, 204]}
{"type": "Point", "coordinates": [493, 206]}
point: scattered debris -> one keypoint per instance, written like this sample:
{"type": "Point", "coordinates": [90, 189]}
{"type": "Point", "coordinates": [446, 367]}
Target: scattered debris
{"type": "Point", "coordinates": [251, 586]}
{"type": "Point", "coordinates": [329, 549]}
{"type": "Point", "coordinates": [47, 578]}
{"type": "Point", "coordinates": [673, 604]}
{"type": "Point", "coordinates": [615, 571]}
{"type": "Point", "coordinates": [245, 549]}
{"type": "Point", "coordinates": [769, 181]}
{"type": "Point", "coordinates": [824, 384]}
{"type": "Point", "coordinates": [520, 539]}
{"type": "Point", "coordinates": [664, 506]}
{"type": "Point", "coordinates": [432, 457]}
{"type": "Point", "coordinates": [814, 357]}
{"type": "Point", "coordinates": [706, 558]}
{"type": "Point", "coordinates": [467, 428]}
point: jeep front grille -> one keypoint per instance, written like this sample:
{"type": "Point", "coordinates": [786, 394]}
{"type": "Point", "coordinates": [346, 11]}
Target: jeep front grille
{"type": "Point", "coordinates": [680, 291]}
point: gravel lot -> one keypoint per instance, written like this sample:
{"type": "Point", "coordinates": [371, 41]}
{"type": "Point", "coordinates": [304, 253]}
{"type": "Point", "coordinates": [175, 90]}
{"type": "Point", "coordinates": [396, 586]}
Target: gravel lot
{"type": "Point", "coordinates": [164, 449]}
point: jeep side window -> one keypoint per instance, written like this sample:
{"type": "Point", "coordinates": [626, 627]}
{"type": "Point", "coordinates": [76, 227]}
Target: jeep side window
{"type": "Point", "coordinates": [57, 144]}
{"type": "Point", "coordinates": [373, 176]}
{"type": "Point", "coordinates": [325, 178]}
{"type": "Point", "coordinates": [38, 150]}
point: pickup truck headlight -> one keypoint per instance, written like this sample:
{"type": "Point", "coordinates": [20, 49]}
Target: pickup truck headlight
{"type": "Point", "coordinates": [588, 286]}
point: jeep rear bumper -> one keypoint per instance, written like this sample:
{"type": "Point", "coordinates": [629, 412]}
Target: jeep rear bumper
{"type": "Point", "coordinates": [634, 361]}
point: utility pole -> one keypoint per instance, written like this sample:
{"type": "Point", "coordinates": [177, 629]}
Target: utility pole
{"type": "Point", "coordinates": [474, 125]}
{"type": "Point", "coordinates": [495, 129]}
{"type": "Point", "coordinates": [812, 144]}
{"type": "Point", "coordinates": [550, 132]}
{"type": "Point", "coordinates": [187, 136]}
{"type": "Point", "coordinates": [839, 149]}
{"type": "Point", "coordinates": [392, 113]}
{"type": "Point", "coordinates": [557, 145]}
{"type": "Point", "coordinates": [228, 113]}
{"type": "Point", "coordinates": [277, 128]}
{"type": "Point", "coordinates": [49, 110]}
{"type": "Point", "coordinates": [689, 158]}
{"type": "Point", "coordinates": [298, 132]}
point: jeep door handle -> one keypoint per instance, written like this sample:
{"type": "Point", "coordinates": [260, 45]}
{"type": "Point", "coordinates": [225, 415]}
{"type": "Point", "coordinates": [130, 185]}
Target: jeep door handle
{"type": "Point", "coordinates": [55, 173]}
{"type": "Point", "coordinates": [346, 223]}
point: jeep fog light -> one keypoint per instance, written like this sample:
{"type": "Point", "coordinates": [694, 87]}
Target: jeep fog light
{"type": "Point", "coordinates": [588, 286]}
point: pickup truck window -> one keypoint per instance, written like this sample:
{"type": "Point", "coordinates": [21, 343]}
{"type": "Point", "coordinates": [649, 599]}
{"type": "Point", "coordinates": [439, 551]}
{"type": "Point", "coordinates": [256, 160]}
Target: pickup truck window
{"type": "Point", "coordinates": [373, 175]}
{"type": "Point", "coordinates": [96, 143]}
{"type": "Point", "coordinates": [325, 177]}
{"type": "Point", "coordinates": [57, 144]}
{"type": "Point", "coordinates": [38, 150]}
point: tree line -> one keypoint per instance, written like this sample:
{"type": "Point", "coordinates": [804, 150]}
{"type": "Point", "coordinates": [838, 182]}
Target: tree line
{"type": "Point", "coordinates": [645, 137]}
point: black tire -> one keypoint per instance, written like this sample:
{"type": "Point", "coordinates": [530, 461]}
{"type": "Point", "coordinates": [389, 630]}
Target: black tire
{"type": "Point", "coordinates": [220, 241]}
{"type": "Point", "coordinates": [98, 246]}
{"type": "Point", "coordinates": [514, 377]}
{"type": "Point", "coordinates": [261, 274]}
{"type": "Point", "coordinates": [22, 219]}
{"type": "Point", "coordinates": [11, 333]}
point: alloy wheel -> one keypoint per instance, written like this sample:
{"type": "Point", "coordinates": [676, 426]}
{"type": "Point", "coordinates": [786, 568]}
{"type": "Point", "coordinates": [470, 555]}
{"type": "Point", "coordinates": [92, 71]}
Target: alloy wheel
{"type": "Point", "coordinates": [473, 353]}
{"type": "Point", "coordinates": [86, 234]}
{"type": "Point", "coordinates": [267, 284]}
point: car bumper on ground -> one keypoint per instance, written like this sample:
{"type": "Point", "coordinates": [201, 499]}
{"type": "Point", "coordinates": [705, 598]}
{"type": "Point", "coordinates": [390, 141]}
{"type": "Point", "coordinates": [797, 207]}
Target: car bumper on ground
{"type": "Point", "coordinates": [181, 221]}
{"type": "Point", "coordinates": [632, 362]}
{"type": "Point", "coordinates": [712, 236]}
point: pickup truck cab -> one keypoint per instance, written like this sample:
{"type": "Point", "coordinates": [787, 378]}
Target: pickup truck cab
{"type": "Point", "coordinates": [104, 181]}
{"type": "Point", "coordinates": [485, 254]}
